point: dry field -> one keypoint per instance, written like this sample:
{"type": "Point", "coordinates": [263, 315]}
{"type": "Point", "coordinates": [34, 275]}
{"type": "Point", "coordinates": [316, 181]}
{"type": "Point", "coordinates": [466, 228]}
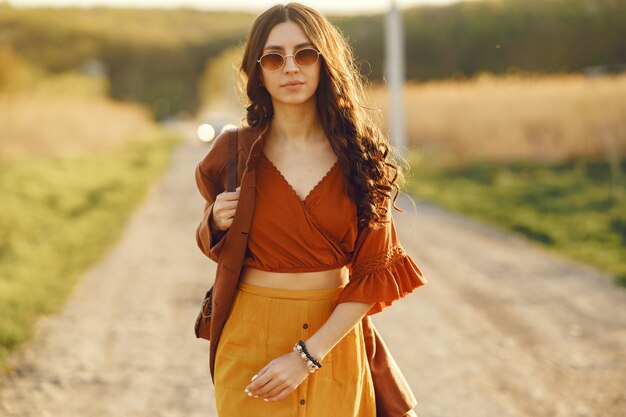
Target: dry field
{"type": "Point", "coordinates": [51, 121]}
{"type": "Point", "coordinates": [534, 118]}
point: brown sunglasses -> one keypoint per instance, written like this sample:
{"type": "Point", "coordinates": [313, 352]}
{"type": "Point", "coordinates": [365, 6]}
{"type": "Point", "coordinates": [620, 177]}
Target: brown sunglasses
{"type": "Point", "coordinates": [274, 61]}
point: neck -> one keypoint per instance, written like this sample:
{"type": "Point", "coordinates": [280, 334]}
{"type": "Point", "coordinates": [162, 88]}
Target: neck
{"type": "Point", "coordinates": [292, 123]}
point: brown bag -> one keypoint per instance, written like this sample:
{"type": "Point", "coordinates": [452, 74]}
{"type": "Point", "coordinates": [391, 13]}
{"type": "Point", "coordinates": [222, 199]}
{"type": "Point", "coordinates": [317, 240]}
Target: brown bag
{"type": "Point", "coordinates": [203, 321]}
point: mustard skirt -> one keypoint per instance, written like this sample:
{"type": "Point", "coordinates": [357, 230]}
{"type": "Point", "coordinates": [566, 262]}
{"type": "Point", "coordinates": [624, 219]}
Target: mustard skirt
{"type": "Point", "coordinates": [265, 323]}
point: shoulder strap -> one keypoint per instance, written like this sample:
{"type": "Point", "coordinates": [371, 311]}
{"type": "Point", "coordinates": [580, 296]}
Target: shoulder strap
{"type": "Point", "coordinates": [232, 160]}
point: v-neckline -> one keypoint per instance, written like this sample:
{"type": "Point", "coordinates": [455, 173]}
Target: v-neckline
{"type": "Point", "coordinates": [315, 187]}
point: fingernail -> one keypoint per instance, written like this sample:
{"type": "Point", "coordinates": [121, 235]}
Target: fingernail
{"type": "Point", "coordinates": [265, 399]}
{"type": "Point", "coordinates": [246, 390]}
{"type": "Point", "coordinates": [253, 378]}
{"type": "Point", "coordinates": [249, 394]}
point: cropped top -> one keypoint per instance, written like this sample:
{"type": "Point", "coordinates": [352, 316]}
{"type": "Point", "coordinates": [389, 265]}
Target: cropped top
{"type": "Point", "coordinates": [320, 233]}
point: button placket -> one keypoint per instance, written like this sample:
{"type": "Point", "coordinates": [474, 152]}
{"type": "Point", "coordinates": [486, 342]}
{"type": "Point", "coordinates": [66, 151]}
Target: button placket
{"type": "Point", "coordinates": [304, 386]}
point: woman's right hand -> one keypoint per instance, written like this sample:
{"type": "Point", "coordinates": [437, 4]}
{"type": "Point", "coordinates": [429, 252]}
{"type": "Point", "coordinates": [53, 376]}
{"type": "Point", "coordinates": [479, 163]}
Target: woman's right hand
{"type": "Point", "coordinates": [224, 208]}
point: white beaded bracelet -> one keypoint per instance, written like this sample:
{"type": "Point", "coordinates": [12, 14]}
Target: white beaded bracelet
{"type": "Point", "coordinates": [312, 367]}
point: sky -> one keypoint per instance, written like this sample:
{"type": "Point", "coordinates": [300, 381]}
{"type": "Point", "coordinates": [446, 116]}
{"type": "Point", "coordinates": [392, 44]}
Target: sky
{"type": "Point", "coordinates": [329, 6]}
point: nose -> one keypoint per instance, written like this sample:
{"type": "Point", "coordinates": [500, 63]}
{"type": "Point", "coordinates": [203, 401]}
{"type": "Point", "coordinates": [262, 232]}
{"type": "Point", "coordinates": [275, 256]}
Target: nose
{"type": "Point", "coordinates": [290, 65]}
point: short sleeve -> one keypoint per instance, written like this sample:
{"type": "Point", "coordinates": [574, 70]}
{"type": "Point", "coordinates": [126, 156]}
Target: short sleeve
{"type": "Point", "coordinates": [380, 269]}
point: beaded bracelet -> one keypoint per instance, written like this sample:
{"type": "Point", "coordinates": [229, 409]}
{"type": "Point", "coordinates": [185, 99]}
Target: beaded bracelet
{"type": "Point", "coordinates": [310, 361]}
{"type": "Point", "coordinates": [303, 346]}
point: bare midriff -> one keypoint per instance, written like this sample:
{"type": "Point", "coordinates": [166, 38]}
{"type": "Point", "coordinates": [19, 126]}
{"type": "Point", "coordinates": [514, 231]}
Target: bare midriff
{"type": "Point", "coordinates": [317, 280]}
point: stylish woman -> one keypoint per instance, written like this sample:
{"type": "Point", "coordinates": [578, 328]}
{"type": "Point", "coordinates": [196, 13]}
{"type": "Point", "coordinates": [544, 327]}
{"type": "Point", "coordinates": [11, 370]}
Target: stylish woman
{"type": "Point", "coordinates": [322, 252]}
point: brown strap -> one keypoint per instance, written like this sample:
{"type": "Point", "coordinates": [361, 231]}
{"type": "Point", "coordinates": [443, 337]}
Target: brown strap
{"type": "Point", "coordinates": [232, 161]}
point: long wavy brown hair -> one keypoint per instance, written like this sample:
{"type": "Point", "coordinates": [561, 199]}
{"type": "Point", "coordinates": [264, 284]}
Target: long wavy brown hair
{"type": "Point", "coordinates": [365, 156]}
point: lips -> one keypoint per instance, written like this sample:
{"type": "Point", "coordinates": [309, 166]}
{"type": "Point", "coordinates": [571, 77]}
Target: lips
{"type": "Point", "coordinates": [292, 83]}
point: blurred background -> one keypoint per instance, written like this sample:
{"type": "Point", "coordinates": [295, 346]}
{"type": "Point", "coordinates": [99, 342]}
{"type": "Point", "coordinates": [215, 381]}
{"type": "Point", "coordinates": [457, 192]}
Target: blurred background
{"type": "Point", "coordinates": [515, 115]}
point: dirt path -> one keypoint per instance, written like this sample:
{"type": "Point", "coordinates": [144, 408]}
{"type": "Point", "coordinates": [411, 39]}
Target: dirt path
{"type": "Point", "coordinates": [502, 329]}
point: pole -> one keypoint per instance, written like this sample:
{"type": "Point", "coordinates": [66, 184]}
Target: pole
{"type": "Point", "coordinates": [394, 68]}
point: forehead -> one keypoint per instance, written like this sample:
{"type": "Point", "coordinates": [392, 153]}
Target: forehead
{"type": "Point", "coordinates": [286, 36]}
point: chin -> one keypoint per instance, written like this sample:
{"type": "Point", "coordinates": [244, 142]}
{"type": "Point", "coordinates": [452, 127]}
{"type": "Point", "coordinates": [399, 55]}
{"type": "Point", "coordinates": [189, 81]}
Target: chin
{"type": "Point", "coordinates": [296, 99]}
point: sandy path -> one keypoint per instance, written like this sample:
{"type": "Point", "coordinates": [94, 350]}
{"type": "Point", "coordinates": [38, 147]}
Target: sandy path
{"type": "Point", "coordinates": [502, 329]}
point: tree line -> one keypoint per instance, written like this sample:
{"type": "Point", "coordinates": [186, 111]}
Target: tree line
{"type": "Point", "coordinates": [149, 55]}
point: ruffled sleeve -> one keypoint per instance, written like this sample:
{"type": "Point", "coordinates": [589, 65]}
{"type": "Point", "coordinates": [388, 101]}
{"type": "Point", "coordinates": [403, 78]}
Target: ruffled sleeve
{"type": "Point", "coordinates": [380, 269]}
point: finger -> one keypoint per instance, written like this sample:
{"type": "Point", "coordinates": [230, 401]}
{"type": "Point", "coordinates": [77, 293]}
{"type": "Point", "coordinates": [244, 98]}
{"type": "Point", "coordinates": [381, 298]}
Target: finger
{"type": "Point", "coordinates": [261, 379]}
{"type": "Point", "coordinates": [267, 386]}
{"type": "Point", "coordinates": [230, 195]}
{"type": "Point", "coordinates": [229, 205]}
{"type": "Point", "coordinates": [276, 390]}
{"type": "Point", "coordinates": [282, 394]}
{"type": "Point", "coordinates": [234, 196]}
{"type": "Point", "coordinates": [227, 213]}
{"type": "Point", "coordinates": [222, 219]}
{"type": "Point", "coordinates": [276, 384]}
{"type": "Point", "coordinates": [224, 214]}
{"type": "Point", "coordinates": [273, 387]}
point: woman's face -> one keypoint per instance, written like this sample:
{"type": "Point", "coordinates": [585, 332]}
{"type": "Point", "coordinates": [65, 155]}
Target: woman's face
{"type": "Point", "coordinates": [287, 38]}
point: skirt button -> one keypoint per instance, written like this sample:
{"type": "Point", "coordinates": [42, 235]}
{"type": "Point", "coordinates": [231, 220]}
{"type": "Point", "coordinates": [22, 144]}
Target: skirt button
{"type": "Point", "coordinates": [305, 325]}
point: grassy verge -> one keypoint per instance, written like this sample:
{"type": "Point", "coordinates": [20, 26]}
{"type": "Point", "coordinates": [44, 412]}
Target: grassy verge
{"type": "Point", "coordinates": [58, 216]}
{"type": "Point", "coordinates": [572, 208]}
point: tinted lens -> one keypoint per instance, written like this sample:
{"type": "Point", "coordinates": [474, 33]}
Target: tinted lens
{"type": "Point", "coordinates": [272, 62]}
{"type": "Point", "coordinates": [306, 57]}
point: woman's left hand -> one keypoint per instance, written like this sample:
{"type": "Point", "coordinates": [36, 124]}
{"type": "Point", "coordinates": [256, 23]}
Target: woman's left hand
{"type": "Point", "coordinates": [278, 378]}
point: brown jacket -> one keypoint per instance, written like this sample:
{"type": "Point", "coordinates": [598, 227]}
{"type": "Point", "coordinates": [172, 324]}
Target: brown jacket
{"type": "Point", "coordinates": [393, 394]}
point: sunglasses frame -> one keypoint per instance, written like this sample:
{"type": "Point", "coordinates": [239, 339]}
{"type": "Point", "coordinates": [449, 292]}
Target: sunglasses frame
{"type": "Point", "coordinates": [285, 59]}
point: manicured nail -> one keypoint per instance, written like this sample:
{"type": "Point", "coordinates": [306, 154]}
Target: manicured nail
{"type": "Point", "coordinates": [249, 394]}
{"type": "Point", "coordinates": [265, 399]}
{"type": "Point", "coordinates": [253, 378]}
{"type": "Point", "coordinates": [246, 390]}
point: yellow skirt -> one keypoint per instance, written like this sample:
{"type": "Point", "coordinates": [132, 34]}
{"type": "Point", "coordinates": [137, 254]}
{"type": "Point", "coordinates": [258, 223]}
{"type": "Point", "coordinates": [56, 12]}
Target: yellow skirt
{"type": "Point", "coordinates": [265, 323]}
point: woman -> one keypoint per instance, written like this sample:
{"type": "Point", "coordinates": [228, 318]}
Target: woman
{"type": "Point", "coordinates": [321, 252]}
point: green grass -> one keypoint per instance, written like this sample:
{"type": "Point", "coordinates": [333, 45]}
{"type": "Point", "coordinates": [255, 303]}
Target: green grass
{"type": "Point", "coordinates": [572, 208]}
{"type": "Point", "coordinates": [59, 216]}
